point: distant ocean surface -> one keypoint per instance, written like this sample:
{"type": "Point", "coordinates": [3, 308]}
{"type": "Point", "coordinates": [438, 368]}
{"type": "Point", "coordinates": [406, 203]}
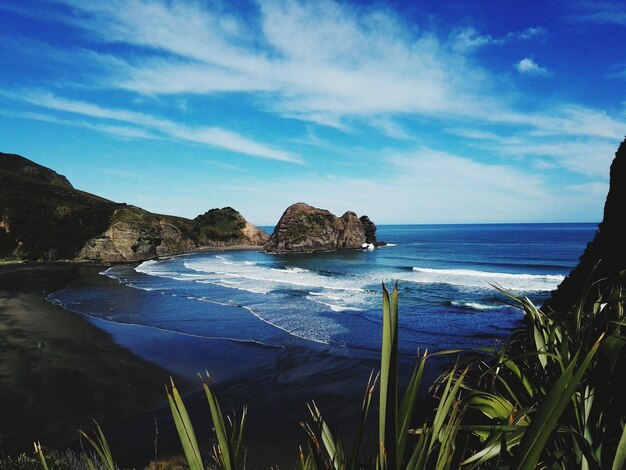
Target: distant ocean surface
{"type": "Point", "coordinates": [332, 301]}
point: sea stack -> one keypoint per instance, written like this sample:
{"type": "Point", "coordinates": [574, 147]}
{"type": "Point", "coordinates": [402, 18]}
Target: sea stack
{"type": "Point", "coordinates": [607, 249]}
{"type": "Point", "coordinates": [304, 228]}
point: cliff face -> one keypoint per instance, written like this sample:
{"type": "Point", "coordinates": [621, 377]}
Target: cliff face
{"type": "Point", "coordinates": [303, 228]}
{"type": "Point", "coordinates": [135, 234]}
{"type": "Point", "coordinates": [608, 248]}
{"type": "Point", "coordinates": [42, 217]}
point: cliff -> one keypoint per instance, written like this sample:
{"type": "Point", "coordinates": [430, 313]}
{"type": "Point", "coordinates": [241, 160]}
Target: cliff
{"type": "Point", "coordinates": [42, 217]}
{"type": "Point", "coordinates": [303, 228]}
{"type": "Point", "coordinates": [607, 249]}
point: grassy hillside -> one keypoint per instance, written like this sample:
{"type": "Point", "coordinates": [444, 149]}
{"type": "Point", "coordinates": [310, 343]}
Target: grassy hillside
{"type": "Point", "coordinates": [42, 216]}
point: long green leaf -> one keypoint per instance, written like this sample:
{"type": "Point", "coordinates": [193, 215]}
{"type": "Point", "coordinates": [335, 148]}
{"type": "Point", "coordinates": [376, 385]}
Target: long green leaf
{"type": "Point", "coordinates": [388, 382]}
{"type": "Point", "coordinates": [42, 458]}
{"type": "Point", "coordinates": [101, 447]}
{"type": "Point", "coordinates": [185, 430]}
{"type": "Point", "coordinates": [365, 406]}
{"type": "Point", "coordinates": [407, 406]}
{"type": "Point", "coordinates": [546, 417]}
{"type": "Point", "coordinates": [619, 462]}
{"type": "Point", "coordinates": [225, 451]}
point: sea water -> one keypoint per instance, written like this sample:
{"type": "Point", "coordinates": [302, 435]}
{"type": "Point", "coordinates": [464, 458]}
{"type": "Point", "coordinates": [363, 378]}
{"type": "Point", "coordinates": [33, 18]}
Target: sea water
{"type": "Point", "coordinates": [448, 278]}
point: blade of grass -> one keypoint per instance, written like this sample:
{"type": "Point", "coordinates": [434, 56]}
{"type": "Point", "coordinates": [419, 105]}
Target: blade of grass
{"type": "Point", "coordinates": [365, 406]}
{"type": "Point", "coordinates": [619, 462]}
{"type": "Point", "coordinates": [224, 447]}
{"type": "Point", "coordinates": [407, 406]}
{"type": "Point", "coordinates": [546, 417]}
{"type": "Point", "coordinates": [184, 428]}
{"type": "Point", "coordinates": [42, 458]}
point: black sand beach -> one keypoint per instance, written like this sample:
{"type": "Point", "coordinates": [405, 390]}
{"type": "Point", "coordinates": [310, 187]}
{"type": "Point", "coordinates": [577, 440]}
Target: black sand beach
{"type": "Point", "coordinates": [80, 373]}
{"type": "Point", "coordinates": [58, 372]}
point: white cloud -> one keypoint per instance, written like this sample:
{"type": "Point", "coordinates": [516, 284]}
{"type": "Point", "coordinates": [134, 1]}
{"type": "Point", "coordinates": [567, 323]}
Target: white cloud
{"type": "Point", "coordinates": [123, 132]}
{"type": "Point", "coordinates": [530, 67]}
{"type": "Point", "coordinates": [425, 186]}
{"type": "Point", "coordinates": [148, 125]}
{"type": "Point", "coordinates": [600, 12]}
{"type": "Point", "coordinates": [323, 62]}
{"type": "Point", "coordinates": [317, 62]}
{"type": "Point", "coordinates": [469, 133]}
{"type": "Point", "coordinates": [468, 38]}
{"type": "Point", "coordinates": [591, 157]}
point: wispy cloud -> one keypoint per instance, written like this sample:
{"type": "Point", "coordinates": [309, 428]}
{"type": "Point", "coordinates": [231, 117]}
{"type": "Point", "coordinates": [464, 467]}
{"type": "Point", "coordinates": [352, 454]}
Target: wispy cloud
{"type": "Point", "coordinates": [123, 132]}
{"type": "Point", "coordinates": [600, 12]}
{"type": "Point", "coordinates": [468, 38]}
{"type": "Point", "coordinates": [146, 126]}
{"type": "Point", "coordinates": [318, 62]}
{"type": "Point", "coordinates": [590, 157]}
{"type": "Point", "coordinates": [325, 63]}
{"type": "Point", "coordinates": [430, 186]}
{"type": "Point", "coordinates": [528, 66]}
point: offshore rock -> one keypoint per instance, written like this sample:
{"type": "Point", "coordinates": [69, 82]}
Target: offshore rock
{"type": "Point", "coordinates": [304, 228]}
{"type": "Point", "coordinates": [607, 250]}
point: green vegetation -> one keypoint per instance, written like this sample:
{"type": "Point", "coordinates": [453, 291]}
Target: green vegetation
{"type": "Point", "coordinates": [550, 396]}
{"type": "Point", "coordinates": [45, 221]}
{"type": "Point", "coordinates": [219, 224]}
{"type": "Point", "coordinates": [43, 218]}
{"type": "Point", "coordinates": [311, 225]}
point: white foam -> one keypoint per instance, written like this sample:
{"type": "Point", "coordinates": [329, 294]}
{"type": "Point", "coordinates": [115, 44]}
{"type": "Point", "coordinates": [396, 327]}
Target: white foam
{"type": "Point", "coordinates": [256, 277]}
{"type": "Point", "coordinates": [476, 305]}
{"type": "Point", "coordinates": [333, 306]}
{"type": "Point", "coordinates": [311, 337]}
{"type": "Point", "coordinates": [483, 279]}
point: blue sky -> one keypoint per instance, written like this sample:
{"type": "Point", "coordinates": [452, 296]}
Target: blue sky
{"type": "Point", "coordinates": [410, 112]}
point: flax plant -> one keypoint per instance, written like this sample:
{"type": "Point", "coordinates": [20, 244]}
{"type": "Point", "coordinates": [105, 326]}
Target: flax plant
{"type": "Point", "coordinates": [550, 396]}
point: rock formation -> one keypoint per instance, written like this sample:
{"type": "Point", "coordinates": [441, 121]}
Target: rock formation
{"type": "Point", "coordinates": [303, 228]}
{"type": "Point", "coordinates": [607, 249]}
{"type": "Point", "coordinates": [42, 217]}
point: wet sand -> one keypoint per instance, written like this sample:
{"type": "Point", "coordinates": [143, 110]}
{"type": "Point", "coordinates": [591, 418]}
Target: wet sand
{"type": "Point", "coordinates": [58, 372]}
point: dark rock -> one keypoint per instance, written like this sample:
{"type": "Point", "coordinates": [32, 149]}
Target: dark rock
{"type": "Point", "coordinates": [370, 230]}
{"type": "Point", "coordinates": [607, 250]}
{"type": "Point", "coordinates": [303, 228]}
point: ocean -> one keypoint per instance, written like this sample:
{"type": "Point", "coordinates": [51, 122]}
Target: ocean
{"type": "Point", "coordinates": [331, 302]}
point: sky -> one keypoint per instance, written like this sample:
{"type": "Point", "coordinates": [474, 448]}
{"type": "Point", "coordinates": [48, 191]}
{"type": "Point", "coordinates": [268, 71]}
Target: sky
{"type": "Point", "coordinates": [410, 112]}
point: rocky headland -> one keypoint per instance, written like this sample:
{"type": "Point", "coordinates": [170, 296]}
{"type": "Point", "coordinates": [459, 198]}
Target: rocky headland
{"type": "Point", "coordinates": [605, 255]}
{"type": "Point", "coordinates": [43, 217]}
{"type": "Point", "coordinates": [304, 229]}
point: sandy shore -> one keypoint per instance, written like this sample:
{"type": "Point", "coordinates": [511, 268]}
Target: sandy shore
{"type": "Point", "coordinates": [58, 372]}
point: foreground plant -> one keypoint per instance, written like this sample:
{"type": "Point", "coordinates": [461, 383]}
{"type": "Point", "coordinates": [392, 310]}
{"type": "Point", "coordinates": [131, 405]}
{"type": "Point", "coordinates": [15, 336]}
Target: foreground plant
{"type": "Point", "coordinates": [433, 444]}
{"type": "Point", "coordinates": [552, 395]}
{"type": "Point", "coordinates": [228, 451]}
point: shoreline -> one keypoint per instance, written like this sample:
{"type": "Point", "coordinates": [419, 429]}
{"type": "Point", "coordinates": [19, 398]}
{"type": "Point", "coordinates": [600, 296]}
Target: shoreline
{"type": "Point", "coordinates": [4, 265]}
{"type": "Point", "coordinates": [84, 371]}
{"type": "Point", "coordinates": [58, 371]}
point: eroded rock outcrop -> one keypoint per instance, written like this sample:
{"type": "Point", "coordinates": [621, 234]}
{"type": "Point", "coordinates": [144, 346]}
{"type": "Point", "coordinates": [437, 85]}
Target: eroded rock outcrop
{"type": "Point", "coordinates": [304, 228]}
{"type": "Point", "coordinates": [136, 234]}
{"type": "Point", "coordinates": [607, 249]}
{"type": "Point", "coordinates": [42, 217]}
